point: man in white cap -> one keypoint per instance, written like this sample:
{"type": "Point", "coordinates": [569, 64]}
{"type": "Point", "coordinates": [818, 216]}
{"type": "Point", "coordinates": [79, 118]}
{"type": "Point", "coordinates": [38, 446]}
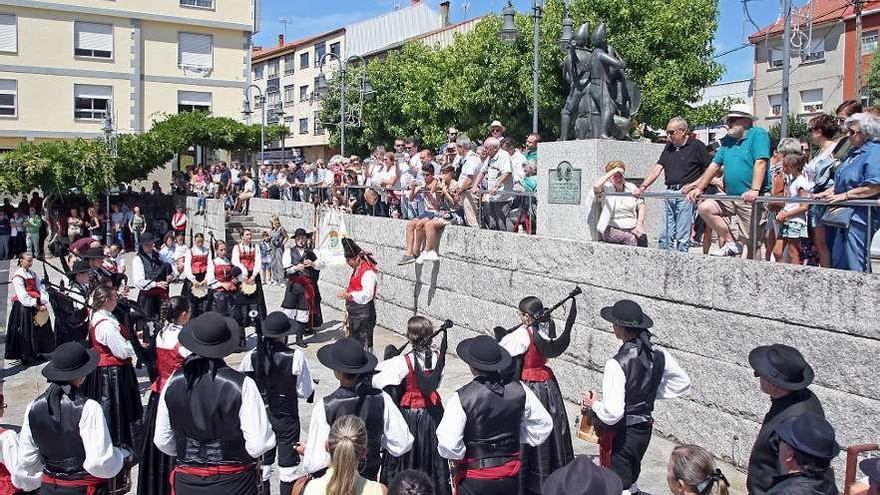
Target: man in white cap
{"type": "Point", "coordinates": [745, 155]}
{"type": "Point", "coordinates": [496, 130]}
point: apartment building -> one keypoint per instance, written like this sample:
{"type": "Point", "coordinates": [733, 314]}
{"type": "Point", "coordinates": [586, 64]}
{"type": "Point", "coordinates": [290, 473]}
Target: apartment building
{"type": "Point", "coordinates": [64, 65]}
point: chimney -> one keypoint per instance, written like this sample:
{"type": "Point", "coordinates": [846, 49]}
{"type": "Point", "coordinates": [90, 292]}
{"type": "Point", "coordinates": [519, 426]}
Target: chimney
{"type": "Point", "coordinates": [444, 11]}
{"type": "Point", "coordinates": [415, 2]}
{"type": "Point", "coordinates": [280, 40]}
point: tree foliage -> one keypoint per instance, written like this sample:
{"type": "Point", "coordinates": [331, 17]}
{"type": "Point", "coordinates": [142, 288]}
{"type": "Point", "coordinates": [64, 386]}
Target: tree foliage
{"type": "Point", "coordinates": [874, 79]}
{"type": "Point", "coordinates": [797, 128]}
{"type": "Point", "coordinates": [421, 91]}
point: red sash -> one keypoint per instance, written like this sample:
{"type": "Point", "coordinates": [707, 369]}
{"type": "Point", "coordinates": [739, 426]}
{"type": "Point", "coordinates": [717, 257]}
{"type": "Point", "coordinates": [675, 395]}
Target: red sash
{"type": "Point", "coordinates": [90, 483]}
{"type": "Point", "coordinates": [30, 286]}
{"type": "Point", "coordinates": [106, 357]}
{"type": "Point", "coordinates": [199, 264]}
{"type": "Point", "coordinates": [413, 397]}
{"type": "Point", "coordinates": [310, 292]}
{"type": "Point", "coordinates": [167, 361]}
{"type": "Point", "coordinates": [506, 470]}
{"type": "Point", "coordinates": [534, 363]}
{"type": "Point", "coordinates": [606, 442]}
{"type": "Point", "coordinates": [205, 471]}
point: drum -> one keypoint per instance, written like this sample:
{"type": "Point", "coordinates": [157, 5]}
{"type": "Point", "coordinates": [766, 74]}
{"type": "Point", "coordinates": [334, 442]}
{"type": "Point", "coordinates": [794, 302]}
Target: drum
{"type": "Point", "coordinates": [41, 317]}
{"type": "Point", "coordinates": [199, 291]}
{"type": "Point", "coordinates": [249, 288]}
{"type": "Point", "coordinates": [121, 484]}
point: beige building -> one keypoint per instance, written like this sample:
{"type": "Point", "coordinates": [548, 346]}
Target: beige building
{"type": "Point", "coordinates": [63, 65]}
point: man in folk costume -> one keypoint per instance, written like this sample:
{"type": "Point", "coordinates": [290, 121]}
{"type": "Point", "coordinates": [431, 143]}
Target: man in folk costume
{"type": "Point", "coordinates": [246, 256]}
{"type": "Point", "coordinates": [223, 279]}
{"type": "Point", "coordinates": [386, 428]}
{"type": "Point", "coordinates": [301, 266]}
{"type": "Point", "coordinates": [150, 275]}
{"type": "Point", "coordinates": [64, 436]}
{"type": "Point", "coordinates": [286, 377]}
{"type": "Point", "coordinates": [195, 287]}
{"type": "Point", "coordinates": [71, 314]}
{"type": "Point", "coordinates": [29, 330]}
{"type": "Point", "coordinates": [360, 304]}
{"type": "Point", "coordinates": [9, 460]}
{"type": "Point", "coordinates": [485, 422]}
{"type": "Point", "coordinates": [536, 341]}
{"type": "Point", "coordinates": [210, 416]}
{"type": "Point", "coordinates": [632, 380]}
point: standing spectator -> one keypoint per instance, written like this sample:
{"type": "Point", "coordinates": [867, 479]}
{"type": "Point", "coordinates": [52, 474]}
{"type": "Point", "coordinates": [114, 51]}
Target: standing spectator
{"type": "Point", "coordinates": [691, 471]}
{"type": "Point", "coordinates": [499, 173]}
{"type": "Point", "coordinates": [279, 239]}
{"type": "Point", "coordinates": [844, 111]}
{"type": "Point", "coordinates": [74, 226]}
{"type": "Point", "coordinates": [792, 220]}
{"type": "Point", "coordinates": [5, 235]}
{"type": "Point", "coordinates": [33, 226]}
{"type": "Point", "coordinates": [858, 177]}
{"type": "Point", "coordinates": [517, 159]}
{"type": "Point", "coordinates": [427, 159]}
{"type": "Point", "coordinates": [467, 166]}
{"type": "Point", "coordinates": [117, 218]}
{"type": "Point", "coordinates": [744, 154]}
{"type": "Point", "coordinates": [36, 202]}
{"type": "Point", "coordinates": [806, 448]}
{"type": "Point", "coordinates": [266, 256]}
{"type": "Point", "coordinates": [166, 253]}
{"type": "Point", "coordinates": [777, 188]}
{"type": "Point", "coordinates": [525, 204]}
{"type": "Point", "coordinates": [138, 226]}
{"type": "Point", "coordinates": [7, 207]}
{"type": "Point", "coordinates": [178, 220]}
{"type": "Point", "coordinates": [235, 177]}
{"type": "Point", "coordinates": [820, 172]}
{"type": "Point", "coordinates": [156, 189]}
{"type": "Point", "coordinates": [17, 232]}
{"type": "Point", "coordinates": [784, 375]}
{"type": "Point", "coordinates": [531, 149]}
{"type": "Point", "coordinates": [496, 130]}
{"type": "Point", "coordinates": [386, 179]}
{"type": "Point", "coordinates": [225, 176]}
{"type": "Point", "coordinates": [622, 220]}
{"type": "Point", "coordinates": [683, 162]}
{"type": "Point", "coordinates": [451, 138]}
{"type": "Point", "coordinates": [412, 204]}
{"type": "Point", "coordinates": [95, 226]}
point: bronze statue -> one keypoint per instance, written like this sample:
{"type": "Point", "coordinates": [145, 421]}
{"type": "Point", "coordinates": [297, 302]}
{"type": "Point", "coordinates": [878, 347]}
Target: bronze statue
{"type": "Point", "coordinates": [577, 72]}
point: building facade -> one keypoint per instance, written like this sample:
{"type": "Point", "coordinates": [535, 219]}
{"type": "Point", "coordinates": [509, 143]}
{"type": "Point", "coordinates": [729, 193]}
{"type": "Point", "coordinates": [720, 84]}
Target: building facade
{"type": "Point", "coordinates": [869, 41]}
{"type": "Point", "coordinates": [64, 65]}
{"type": "Point", "coordinates": [741, 91]}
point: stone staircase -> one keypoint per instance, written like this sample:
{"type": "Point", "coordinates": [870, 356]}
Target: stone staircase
{"type": "Point", "coordinates": [236, 225]}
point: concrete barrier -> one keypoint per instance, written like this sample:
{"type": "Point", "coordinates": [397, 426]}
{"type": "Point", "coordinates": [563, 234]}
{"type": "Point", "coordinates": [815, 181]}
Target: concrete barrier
{"type": "Point", "coordinates": [709, 312]}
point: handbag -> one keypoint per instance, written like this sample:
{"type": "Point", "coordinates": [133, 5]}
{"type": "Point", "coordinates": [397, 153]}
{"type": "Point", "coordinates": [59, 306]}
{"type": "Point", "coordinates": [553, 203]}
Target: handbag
{"type": "Point", "coordinates": [838, 217]}
{"type": "Point", "coordinates": [299, 486]}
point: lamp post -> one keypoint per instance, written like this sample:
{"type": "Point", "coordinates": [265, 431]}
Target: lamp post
{"type": "Point", "coordinates": [364, 90]}
{"type": "Point", "coordinates": [110, 142]}
{"type": "Point", "coordinates": [247, 111]}
{"type": "Point", "coordinates": [279, 111]}
{"type": "Point", "coordinates": [509, 34]}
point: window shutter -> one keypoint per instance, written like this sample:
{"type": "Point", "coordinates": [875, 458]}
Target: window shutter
{"type": "Point", "coordinates": [8, 85]}
{"type": "Point", "coordinates": [90, 36]}
{"type": "Point", "coordinates": [91, 91]}
{"type": "Point", "coordinates": [8, 33]}
{"type": "Point", "coordinates": [811, 96]}
{"type": "Point", "coordinates": [196, 50]}
{"type": "Point", "coordinates": [194, 98]}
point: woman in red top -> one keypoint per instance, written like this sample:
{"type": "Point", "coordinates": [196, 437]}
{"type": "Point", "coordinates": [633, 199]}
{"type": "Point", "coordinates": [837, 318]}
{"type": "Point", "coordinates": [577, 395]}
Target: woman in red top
{"type": "Point", "coordinates": [415, 376]}
{"type": "Point", "coordinates": [155, 467]}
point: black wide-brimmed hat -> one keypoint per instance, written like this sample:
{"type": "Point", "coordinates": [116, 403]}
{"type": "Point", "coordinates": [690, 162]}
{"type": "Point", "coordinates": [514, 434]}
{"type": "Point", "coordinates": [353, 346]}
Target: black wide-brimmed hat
{"type": "Point", "coordinates": [301, 231]}
{"type": "Point", "coordinates": [871, 468]}
{"type": "Point", "coordinates": [627, 313]}
{"type": "Point", "coordinates": [781, 365]}
{"type": "Point", "coordinates": [483, 353]}
{"type": "Point", "coordinates": [350, 248]}
{"type": "Point", "coordinates": [347, 356]}
{"type": "Point", "coordinates": [94, 253]}
{"type": "Point", "coordinates": [583, 477]}
{"type": "Point", "coordinates": [811, 434]}
{"type": "Point", "coordinates": [80, 266]}
{"type": "Point", "coordinates": [70, 361]}
{"type": "Point", "coordinates": [277, 324]}
{"type": "Point", "coordinates": [147, 238]}
{"type": "Point", "coordinates": [211, 335]}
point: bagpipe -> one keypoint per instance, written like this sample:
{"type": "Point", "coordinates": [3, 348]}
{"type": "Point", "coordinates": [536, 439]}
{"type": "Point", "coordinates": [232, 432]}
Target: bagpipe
{"type": "Point", "coordinates": [544, 316]}
{"type": "Point", "coordinates": [429, 381]}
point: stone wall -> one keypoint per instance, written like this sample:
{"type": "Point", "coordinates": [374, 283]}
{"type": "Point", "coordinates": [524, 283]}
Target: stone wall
{"type": "Point", "coordinates": [213, 221]}
{"type": "Point", "coordinates": [709, 313]}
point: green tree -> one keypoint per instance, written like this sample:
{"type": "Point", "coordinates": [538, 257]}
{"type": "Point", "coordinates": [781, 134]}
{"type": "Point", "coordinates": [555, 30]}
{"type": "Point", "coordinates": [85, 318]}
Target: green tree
{"type": "Point", "coordinates": [797, 128]}
{"type": "Point", "coordinates": [874, 79]}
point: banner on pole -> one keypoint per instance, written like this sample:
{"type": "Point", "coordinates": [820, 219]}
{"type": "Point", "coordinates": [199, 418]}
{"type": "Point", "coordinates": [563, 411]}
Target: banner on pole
{"type": "Point", "coordinates": [331, 230]}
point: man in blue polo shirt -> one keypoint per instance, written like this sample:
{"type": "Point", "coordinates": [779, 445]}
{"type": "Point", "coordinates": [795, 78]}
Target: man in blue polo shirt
{"type": "Point", "coordinates": [744, 156]}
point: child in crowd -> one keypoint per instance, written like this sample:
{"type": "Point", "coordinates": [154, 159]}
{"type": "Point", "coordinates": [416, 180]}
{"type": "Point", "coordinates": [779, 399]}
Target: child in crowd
{"type": "Point", "coordinates": [792, 219]}
{"type": "Point", "coordinates": [266, 257]}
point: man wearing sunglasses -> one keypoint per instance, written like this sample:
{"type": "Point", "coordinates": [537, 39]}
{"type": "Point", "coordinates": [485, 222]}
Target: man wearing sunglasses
{"type": "Point", "coordinates": [496, 130]}
{"type": "Point", "coordinates": [451, 136]}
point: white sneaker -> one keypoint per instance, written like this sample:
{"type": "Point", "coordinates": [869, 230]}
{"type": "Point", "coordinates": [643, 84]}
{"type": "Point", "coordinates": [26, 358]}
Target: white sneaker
{"type": "Point", "coordinates": [728, 249]}
{"type": "Point", "coordinates": [430, 256]}
{"type": "Point", "coordinates": [420, 259]}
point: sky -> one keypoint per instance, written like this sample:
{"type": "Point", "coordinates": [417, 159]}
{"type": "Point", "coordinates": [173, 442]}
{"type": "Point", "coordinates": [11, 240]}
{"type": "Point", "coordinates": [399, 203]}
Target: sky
{"type": "Point", "coordinates": [308, 17]}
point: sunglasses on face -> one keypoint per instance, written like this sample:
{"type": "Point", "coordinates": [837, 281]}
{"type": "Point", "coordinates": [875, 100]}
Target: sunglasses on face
{"type": "Point", "coordinates": [496, 130]}
{"type": "Point", "coordinates": [853, 132]}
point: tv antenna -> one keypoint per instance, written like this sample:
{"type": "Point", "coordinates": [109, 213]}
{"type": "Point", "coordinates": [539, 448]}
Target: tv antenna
{"type": "Point", "coordinates": [285, 21]}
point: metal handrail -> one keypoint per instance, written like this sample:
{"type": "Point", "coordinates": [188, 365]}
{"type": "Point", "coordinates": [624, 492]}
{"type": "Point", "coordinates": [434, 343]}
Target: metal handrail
{"type": "Point", "coordinates": [400, 189]}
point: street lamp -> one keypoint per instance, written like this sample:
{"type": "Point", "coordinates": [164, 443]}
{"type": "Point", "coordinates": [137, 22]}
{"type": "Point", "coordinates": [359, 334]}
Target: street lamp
{"type": "Point", "coordinates": [365, 89]}
{"type": "Point", "coordinates": [565, 38]}
{"type": "Point", "coordinates": [247, 111]}
{"type": "Point", "coordinates": [110, 143]}
{"type": "Point", "coordinates": [279, 112]}
{"type": "Point", "coordinates": [508, 35]}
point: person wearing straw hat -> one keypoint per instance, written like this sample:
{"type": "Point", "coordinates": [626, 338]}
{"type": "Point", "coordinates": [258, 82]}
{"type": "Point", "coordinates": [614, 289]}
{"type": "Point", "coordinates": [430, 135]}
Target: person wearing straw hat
{"type": "Point", "coordinates": [286, 377]}
{"type": "Point", "coordinates": [65, 447]}
{"type": "Point", "coordinates": [301, 266]}
{"type": "Point", "coordinates": [28, 336]}
{"type": "Point", "coordinates": [360, 304]}
{"type": "Point", "coordinates": [485, 422]}
{"type": "Point", "coordinates": [637, 375]}
{"type": "Point", "coordinates": [149, 273]}
{"type": "Point", "coordinates": [785, 376]}
{"type": "Point", "coordinates": [212, 417]}
{"type": "Point", "coordinates": [387, 430]}
{"type": "Point", "coordinates": [806, 448]}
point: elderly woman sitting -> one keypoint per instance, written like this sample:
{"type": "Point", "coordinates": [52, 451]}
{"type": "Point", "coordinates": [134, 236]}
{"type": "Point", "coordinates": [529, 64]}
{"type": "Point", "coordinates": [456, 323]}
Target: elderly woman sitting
{"type": "Point", "coordinates": [858, 177]}
{"type": "Point", "coordinates": [622, 220]}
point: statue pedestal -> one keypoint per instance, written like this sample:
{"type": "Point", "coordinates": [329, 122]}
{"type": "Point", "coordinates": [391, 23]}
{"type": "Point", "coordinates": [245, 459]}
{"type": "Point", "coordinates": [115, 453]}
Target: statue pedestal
{"type": "Point", "coordinates": [566, 172]}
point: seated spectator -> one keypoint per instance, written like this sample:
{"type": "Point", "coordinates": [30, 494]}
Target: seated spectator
{"type": "Point", "coordinates": [243, 200]}
{"type": "Point", "coordinates": [583, 477]}
{"type": "Point", "coordinates": [806, 449]}
{"type": "Point", "coordinates": [347, 443]}
{"type": "Point", "coordinates": [791, 222]}
{"type": "Point", "coordinates": [444, 195]}
{"type": "Point", "coordinates": [411, 482]}
{"type": "Point", "coordinates": [622, 220]}
{"type": "Point", "coordinates": [416, 239]}
{"type": "Point", "coordinates": [691, 471]}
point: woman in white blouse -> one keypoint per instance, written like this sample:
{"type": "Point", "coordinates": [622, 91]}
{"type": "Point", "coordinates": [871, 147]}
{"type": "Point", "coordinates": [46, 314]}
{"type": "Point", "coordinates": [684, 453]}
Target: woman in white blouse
{"type": "Point", "coordinates": [28, 337]}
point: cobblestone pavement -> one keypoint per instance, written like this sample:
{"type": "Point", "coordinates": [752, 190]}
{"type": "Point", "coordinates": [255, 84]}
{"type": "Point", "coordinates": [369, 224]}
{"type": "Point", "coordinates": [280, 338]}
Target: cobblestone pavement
{"type": "Point", "coordinates": [23, 385]}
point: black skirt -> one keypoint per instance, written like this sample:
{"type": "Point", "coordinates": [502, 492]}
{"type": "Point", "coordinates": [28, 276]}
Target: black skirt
{"type": "Point", "coordinates": [150, 305]}
{"type": "Point", "coordinates": [254, 301]}
{"type": "Point", "coordinates": [116, 389]}
{"type": "Point", "coordinates": [539, 462]}
{"type": "Point", "coordinates": [424, 455]}
{"type": "Point", "coordinates": [155, 467]}
{"type": "Point", "coordinates": [197, 305]}
{"type": "Point", "coordinates": [24, 340]}
{"type": "Point", "coordinates": [227, 484]}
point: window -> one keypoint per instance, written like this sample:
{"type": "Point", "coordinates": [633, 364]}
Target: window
{"type": "Point", "coordinates": [272, 69]}
{"type": "Point", "coordinates": [289, 94]}
{"type": "Point", "coordinates": [303, 126]}
{"type": "Point", "coordinates": [273, 99]}
{"type": "Point", "coordinates": [334, 49]}
{"type": "Point", "coordinates": [193, 101]}
{"type": "Point", "coordinates": [205, 4]}
{"type": "Point", "coordinates": [196, 50]}
{"type": "Point", "coordinates": [303, 93]}
{"type": "Point", "coordinates": [91, 102]}
{"type": "Point", "coordinates": [814, 52]}
{"type": "Point", "coordinates": [869, 42]}
{"type": "Point", "coordinates": [319, 129]}
{"type": "Point", "coordinates": [304, 60]}
{"type": "Point", "coordinates": [93, 40]}
{"type": "Point", "coordinates": [8, 33]}
{"type": "Point", "coordinates": [258, 71]}
{"type": "Point", "coordinates": [775, 105]}
{"type": "Point", "coordinates": [775, 57]}
{"type": "Point", "coordinates": [8, 98]}
{"type": "Point", "coordinates": [320, 50]}
{"type": "Point", "coordinates": [288, 64]}
{"type": "Point", "coordinates": [812, 100]}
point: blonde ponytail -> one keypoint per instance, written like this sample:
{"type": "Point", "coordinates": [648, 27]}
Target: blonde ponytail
{"type": "Point", "coordinates": [347, 443]}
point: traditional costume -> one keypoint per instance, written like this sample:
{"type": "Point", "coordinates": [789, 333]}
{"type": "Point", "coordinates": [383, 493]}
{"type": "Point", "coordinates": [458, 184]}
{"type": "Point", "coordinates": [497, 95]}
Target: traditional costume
{"type": "Point", "coordinates": [247, 258]}
{"type": "Point", "coordinates": [811, 435]}
{"type": "Point", "coordinates": [632, 380]}
{"type": "Point", "coordinates": [305, 280]}
{"type": "Point", "coordinates": [360, 305]}
{"type": "Point", "coordinates": [386, 428]}
{"type": "Point", "coordinates": [486, 420]}
{"type": "Point", "coordinates": [70, 304]}
{"type": "Point", "coordinates": [535, 344]}
{"type": "Point", "coordinates": [64, 440]}
{"type": "Point", "coordinates": [155, 467]}
{"type": "Point", "coordinates": [418, 378]}
{"type": "Point", "coordinates": [147, 270]}
{"type": "Point", "coordinates": [9, 463]}
{"type": "Point", "coordinates": [196, 273]}
{"type": "Point", "coordinates": [285, 376]}
{"type": "Point", "coordinates": [223, 280]}
{"type": "Point", "coordinates": [211, 417]}
{"type": "Point", "coordinates": [27, 339]}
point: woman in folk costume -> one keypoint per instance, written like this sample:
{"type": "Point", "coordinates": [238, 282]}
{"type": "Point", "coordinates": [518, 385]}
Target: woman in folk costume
{"type": "Point", "coordinates": [9, 461]}
{"type": "Point", "coordinates": [360, 305]}
{"type": "Point", "coordinates": [114, 384]}
{"type": "Point", "coordinates": [223, 281]}
{"type": "Point", "coordinates": [532, 344]}
{"type": "Point", "coordinates": [195, 286]}
{"type": "Point", "coordinates": [71, 310]}
{"type": "Point", "coordinates": [29, 330]}
{"type": "Point", "coordinates": [155, 467]}
{"type": "Point", "coordinates": [246, 256]}
{"type": "Point", "coordinates": [417, 374]}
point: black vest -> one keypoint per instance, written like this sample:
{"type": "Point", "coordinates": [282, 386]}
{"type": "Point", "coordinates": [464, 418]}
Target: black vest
{"type": "Point", "coordinates": [154, 267]}
{"type": "Point", "coordinates": [308, 254]}
{"type": "Point", "coordinates": [641, 381]}
{"type": "Point", "coordinates": [493, 419]}
{"type": "Point", "coordinates": [205, 419]}
{"type": "Point", "coordinates": [368, 404]}
{"type": "Point", "coordinates": [279, 383]}
{"type": "Point", "coordinates": [57, 436]}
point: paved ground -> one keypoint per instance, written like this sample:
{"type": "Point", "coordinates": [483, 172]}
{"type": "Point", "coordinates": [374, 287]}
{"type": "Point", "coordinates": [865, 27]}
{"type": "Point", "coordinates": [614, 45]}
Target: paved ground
{"type": "Point", "coordinates": [23, 385]}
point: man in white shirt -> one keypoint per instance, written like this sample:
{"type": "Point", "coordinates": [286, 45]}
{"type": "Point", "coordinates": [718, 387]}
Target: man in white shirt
{"type": "Point", "coordinates": [517, 159]}
{"type": "Point", "coordinates": [359, 297]}
{"type": "Point", "coordinates": [467, 166]}
{"type": "Point", "coordinates": [498, 172]}
{"type": "Point", "coordinates": [410, 180]}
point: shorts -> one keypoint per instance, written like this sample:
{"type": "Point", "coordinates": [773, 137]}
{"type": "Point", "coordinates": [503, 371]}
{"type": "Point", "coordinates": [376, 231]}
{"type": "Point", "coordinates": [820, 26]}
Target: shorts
{"type": "Point", "coordinates": [429, 215]}
{"type": "Point", "coordinates": [793, 230]}
{"type": "Point", "coordinates": [743, 213]}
